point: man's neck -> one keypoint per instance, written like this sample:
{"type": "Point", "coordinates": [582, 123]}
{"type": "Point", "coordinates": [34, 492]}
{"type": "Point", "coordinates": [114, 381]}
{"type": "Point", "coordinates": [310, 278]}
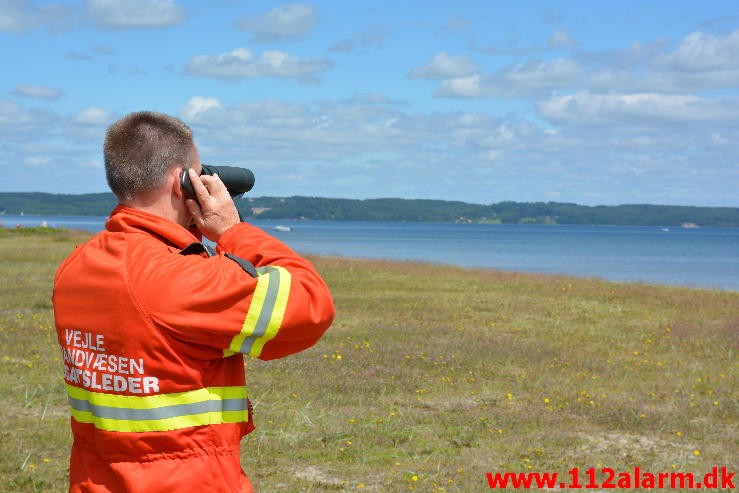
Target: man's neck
{"type": "Point", "coordinates": [158, 204]}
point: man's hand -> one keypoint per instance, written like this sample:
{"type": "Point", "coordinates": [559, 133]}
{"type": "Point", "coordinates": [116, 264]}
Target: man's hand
{"type": "Point", "coordinates": [216, 211]}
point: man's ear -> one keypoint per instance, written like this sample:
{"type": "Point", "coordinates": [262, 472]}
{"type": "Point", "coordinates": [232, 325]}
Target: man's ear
{"type": "Point", "coordinates": [176, 176]}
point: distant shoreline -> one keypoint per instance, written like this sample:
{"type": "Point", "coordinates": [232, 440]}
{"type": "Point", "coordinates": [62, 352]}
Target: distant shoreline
{"type": "Point", "coordinates": [49, 218]}
{"type": "Point", "coordinates": [403, 210]}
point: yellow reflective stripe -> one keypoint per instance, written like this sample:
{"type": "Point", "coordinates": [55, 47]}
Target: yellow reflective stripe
{"type": "Point", "coordinates": [252, 316]}
{"type": "Point", "coordinates": [163, 412]}
{"type": "Point", "coordinates": [278, 314]}
{"type": "Point", "coordinates": [166, 424]}
{"type": "Point", "coordinates": [266, 312]}
{"type": "Point", "coordinates": [157, 400]}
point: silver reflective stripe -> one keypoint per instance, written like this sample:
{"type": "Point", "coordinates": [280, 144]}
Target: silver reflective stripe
{"type": "Point", "coordinates": [266, 312]}
{"type": "Point", "coordinates": [265, 315]}
{"type": "Point", "coordinates": [174, 411]}
{"type": "Point", "coordinates": [159, 412]}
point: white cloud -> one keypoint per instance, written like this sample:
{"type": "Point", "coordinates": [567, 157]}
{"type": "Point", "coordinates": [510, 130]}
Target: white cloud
{"type": "Point", "coordinates": [88, 125]}
{"type": "Point", "coordinates": [37, 161]}
{"type": "Point", "coordinates": [63, 146]}
{"type": "Point", "coordinates": [370, 37]}
{"type": "Point", "coordinates": [132, 14]}
{"type": "Point", "coordinates": [316, 148]}
{"type": "Point", "coordinates": [241, 64]}
{"type": "Point", "coordinates": [587, 109]}
{"type": "Point", "coordinates": [22, 123]}
{"type": "Point", "coordinates": [197, 106]}
{"type": "Point", "coordinates": [700, 62]}
{"type": "Point", "coordinates": [533, 75]}
{"type": "Point", "coordinates": [444, 66]}
{"type": "Point", "coordinates": [92, 116]}
{"type": "Point", "coordinates": [474, 86]}
{"type": "Point", "coordinates": [680, 82]}
{"type": "Point", "coordinates": [19, 16]}
{"type": "Point", "coordinates": [368, 131]}
{"type": "Point", "coordinates": [287, 21]}
{"type": "Point", "coordinates": [561, 39]}
{"type": "Point", "coordinates": [529, 79]}
{"type": "Point", "coordinates": [605, 147]}
{"type": "Point", "coordinates": [343, 46]}
{"type": "Point", "coordinates": [705, 52]}
{"type": "Point", "coordinates": [38, 92]}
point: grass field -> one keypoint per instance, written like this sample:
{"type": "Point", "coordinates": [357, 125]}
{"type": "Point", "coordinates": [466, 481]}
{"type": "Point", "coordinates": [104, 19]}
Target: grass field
{"type": "Point", "coordinates": [430, 377]}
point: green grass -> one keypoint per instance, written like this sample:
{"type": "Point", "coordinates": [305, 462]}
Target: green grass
{"type": "Point", "coordinates": [430, 377]}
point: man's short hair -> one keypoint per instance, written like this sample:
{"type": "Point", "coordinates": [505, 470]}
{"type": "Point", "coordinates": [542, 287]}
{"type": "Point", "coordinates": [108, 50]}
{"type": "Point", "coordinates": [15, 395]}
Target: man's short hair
{"type": "Point", "coordinates": [141, 148]}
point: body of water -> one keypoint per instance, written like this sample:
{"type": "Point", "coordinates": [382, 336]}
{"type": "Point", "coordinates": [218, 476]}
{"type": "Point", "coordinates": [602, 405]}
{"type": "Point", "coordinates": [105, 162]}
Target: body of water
{"type": "Point", "coordinates": [702, 257]}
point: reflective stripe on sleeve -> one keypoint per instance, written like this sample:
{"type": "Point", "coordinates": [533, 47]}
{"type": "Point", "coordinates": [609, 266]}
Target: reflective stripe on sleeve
{"type": "Point", "coordinates": [266, 312]}
{"type": "Point", "coordinates": [163, 412]}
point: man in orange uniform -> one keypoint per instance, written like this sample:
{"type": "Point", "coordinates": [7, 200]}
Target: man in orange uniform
{"type": "Point", "coordinates": [153, 338]}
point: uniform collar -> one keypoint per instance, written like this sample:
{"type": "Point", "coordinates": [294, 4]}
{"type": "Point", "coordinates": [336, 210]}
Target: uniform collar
{"type": "Point", "coordinates": [128, 220]}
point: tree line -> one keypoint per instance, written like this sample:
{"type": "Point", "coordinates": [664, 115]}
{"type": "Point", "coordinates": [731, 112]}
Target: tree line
{"type": "Point", "coordinates": [393, 209]}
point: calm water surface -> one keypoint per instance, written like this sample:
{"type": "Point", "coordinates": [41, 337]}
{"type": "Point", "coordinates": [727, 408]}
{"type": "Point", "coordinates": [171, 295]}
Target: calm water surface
{"type": "Point", "coordinates": [704, 257]}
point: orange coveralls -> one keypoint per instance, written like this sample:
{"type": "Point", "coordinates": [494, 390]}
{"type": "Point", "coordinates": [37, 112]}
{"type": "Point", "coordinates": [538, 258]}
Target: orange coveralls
{"type": "Point", "coordinates": [153, 343]}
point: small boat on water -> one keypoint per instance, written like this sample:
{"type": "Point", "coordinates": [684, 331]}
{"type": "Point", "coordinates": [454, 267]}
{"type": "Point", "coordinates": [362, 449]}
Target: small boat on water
{"type": "Point", "coordinates": [283, 228]}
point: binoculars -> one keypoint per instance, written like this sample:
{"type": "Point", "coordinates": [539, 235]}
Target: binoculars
{"type": "Point", "coordinates": [238, 181]}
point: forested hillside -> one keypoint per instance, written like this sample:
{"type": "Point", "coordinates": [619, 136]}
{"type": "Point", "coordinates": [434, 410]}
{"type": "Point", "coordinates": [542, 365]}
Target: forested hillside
{"type": "Point", "coordinates": [100, 204]}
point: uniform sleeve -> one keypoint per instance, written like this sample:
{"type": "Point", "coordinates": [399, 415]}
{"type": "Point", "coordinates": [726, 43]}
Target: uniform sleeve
{"type": "Point", "coordinates": [214, 302]}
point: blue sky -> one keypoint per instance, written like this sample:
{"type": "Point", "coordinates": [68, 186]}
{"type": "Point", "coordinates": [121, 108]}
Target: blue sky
{"type": "Point", "coordinates": [481, 101]}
